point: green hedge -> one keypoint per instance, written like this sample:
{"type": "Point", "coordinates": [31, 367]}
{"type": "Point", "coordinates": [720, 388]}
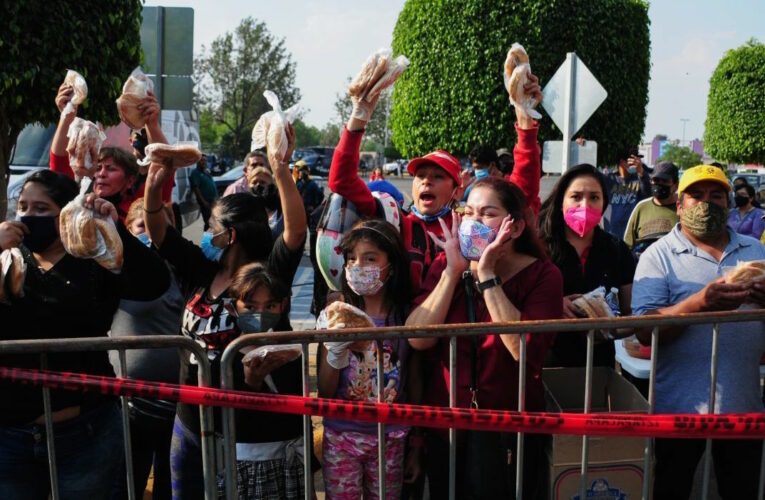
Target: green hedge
{"type": "Point", "coordinates": [453, 97]}
{"type": "Point", "coordinates": [735, 128]}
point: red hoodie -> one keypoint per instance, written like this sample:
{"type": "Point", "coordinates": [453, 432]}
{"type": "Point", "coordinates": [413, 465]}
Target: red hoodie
{"type": "Point", "coordinates": [344, 180]}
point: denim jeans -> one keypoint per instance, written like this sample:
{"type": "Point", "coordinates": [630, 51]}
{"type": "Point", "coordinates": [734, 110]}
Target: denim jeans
{"type": "Point", "coordinates": [186, 463]}
{"type": "Point", "coordinates": [89, 452]}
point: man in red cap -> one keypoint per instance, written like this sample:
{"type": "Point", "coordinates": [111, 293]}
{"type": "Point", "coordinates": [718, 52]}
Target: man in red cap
{"type": "Point", "coordinates": [436, 183]}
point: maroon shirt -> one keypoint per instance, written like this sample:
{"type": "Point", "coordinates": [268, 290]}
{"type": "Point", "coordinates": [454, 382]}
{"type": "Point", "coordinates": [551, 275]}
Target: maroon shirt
{"type": "Point", "coordinates": [537, 291]}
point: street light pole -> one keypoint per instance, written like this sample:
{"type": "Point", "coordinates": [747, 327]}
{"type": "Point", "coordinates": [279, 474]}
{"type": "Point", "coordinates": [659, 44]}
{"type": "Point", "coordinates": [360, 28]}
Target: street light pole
{"type": "Point", "coordinates": [684, 120]}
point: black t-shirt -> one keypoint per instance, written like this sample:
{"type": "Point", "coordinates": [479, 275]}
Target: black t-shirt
{"type": "Point", "coordinates": [212, 324]}
{"type": "Point", "coordinates": [610, 264]}
{"type": "Point", "coordinates": [75, 298]}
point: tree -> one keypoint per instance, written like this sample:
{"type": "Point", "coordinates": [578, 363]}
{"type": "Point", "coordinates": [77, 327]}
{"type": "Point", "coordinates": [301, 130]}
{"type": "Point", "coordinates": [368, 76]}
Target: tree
{"type": "Point", "coordinates": [101, 40]}
{"type": "Point", "coordinates": [378, 125]}
{"type": "Point", "coordinates": [306, 135]}
{"type": "Point", "coordinates": [453, 96]}
{"type": "Point", "coordinates": [680, 155]}
{"type": "Point", "coordinates": [735, 127]}
{"type": "Point", "coordinates": [330, 134]}
{"type": "Point", "coordinates": [233, 74]}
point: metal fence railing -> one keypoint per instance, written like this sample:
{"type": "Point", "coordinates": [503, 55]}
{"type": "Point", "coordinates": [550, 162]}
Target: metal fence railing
{"type": "Point", "coordinates": [452, 332]}
{"type": "Point", "coordinates": [121, 344]}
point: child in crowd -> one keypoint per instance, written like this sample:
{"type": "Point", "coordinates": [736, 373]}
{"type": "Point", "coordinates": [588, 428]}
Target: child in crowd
{"type": "Point", "coordinates": [377, 281]}
{"type": "Point", "coordinates": [269, 446]}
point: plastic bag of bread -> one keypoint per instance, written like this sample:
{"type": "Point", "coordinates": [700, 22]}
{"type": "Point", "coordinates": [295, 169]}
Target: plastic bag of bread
{"type": "Point", "coordinates": [598, 303]}
{"type": "Point", "coordinates": [135, 90]}
{"type": "Point", "coordinates": [339, 315]}
{"type": "Point", "coordinates": [746, 273]}
{"type": "Point", "coordinates": [88, 235]}
{"type": "Point", "coordinates": [269, 130]}
{"type": "Point", "coordinates": [80, 88]}
{"type": "Point", "coordinates": [516, 75]}
{"type": "Point", "coordinates": [13, 270]}
{"type": "Point", "coordinates": [178, 155]}
{"type": "Point", "coordinates": [276, 353]}
{"type": "Point", "coordinates": [378, 72]}
{"type": "Point", "coordinates": [85, 140]}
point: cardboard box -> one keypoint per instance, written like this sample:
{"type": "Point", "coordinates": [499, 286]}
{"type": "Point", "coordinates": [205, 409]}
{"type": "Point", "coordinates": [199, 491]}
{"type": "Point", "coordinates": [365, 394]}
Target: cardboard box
{"type": "Point", "coordinates": [615, 468]}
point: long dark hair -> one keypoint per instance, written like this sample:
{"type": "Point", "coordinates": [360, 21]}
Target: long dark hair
{"type": "Point", "coordinates": [514, 201]}
{"type": "Point", "coordinates": [398, 286]}
{"type": "Point", "coordinates": [59, 187]}
{"type": "Point", "coordinates": [246, 213]}
{"type": "Point", "coordinates": [551, 224]}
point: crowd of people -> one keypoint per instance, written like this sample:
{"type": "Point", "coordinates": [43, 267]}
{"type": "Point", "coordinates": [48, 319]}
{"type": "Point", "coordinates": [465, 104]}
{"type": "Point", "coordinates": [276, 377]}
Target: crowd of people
{"type": "Point", "coordinates": [478, 247]}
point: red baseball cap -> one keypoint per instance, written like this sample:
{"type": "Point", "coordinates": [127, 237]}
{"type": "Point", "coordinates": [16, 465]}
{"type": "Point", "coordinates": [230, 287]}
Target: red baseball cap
{"type": "Point", "coordinates": [441, 158]}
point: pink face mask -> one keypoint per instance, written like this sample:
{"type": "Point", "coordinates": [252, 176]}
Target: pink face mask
{"type": "Point", "coordinates": [582, 220]}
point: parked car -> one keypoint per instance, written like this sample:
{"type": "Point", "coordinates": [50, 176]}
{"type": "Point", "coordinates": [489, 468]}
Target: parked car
{"type": "Point", "coordinates": [396, 167]}
{"type": "Point", "coordinates": [32, 153]}
{"type": "Point", "coordinates": [224, 180]}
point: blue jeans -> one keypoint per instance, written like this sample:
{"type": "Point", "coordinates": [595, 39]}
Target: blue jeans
{"type": "Point", "coordinates": [186, 463]}
{"type": "Point", "coordinates": [89, 453]}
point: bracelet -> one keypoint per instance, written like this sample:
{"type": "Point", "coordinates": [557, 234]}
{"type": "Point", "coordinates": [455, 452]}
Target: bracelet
{"type": "Point", "coordinates": [489, 283]}
{"type": "Point", "coordinates": [153, 211]}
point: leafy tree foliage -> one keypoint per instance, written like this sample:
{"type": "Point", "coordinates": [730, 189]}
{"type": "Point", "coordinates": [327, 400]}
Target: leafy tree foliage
{"type": "Point", "coordinates": [680, 155]}
{"type": "Point", "coordinates": [453, 96]}
{"type": "Point", "coordinates": [41, 40]}
{"type": "Point", "coordinates": [233, 74]}
{"type": "Point", "coordinates": [735, 126]}
{"type": "Point", "coordinates": [378, 125]}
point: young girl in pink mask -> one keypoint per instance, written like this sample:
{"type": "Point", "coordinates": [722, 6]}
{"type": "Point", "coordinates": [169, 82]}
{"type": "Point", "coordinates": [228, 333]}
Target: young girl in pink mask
{"type": "Point", "coordinates": [376, 280]}
{"type": "Point", "coordinates": [587, 256]}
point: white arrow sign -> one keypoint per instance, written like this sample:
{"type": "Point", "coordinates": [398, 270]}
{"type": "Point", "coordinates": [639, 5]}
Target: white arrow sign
{"type": "Point", "coordinates": [570, 98]}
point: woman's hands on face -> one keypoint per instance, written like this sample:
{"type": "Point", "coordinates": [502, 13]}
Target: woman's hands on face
{"type": "Point", "coordinates": [496, 249]}
{"type": "Point", "coordinates": [12, 234]}
{"type": "Point", "coordinates": [456, 263]}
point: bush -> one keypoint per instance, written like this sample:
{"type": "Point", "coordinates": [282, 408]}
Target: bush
{"type": "Point", "coordinates": [453, 97]}
{"type": "Point", "coordinates": [735, 128]}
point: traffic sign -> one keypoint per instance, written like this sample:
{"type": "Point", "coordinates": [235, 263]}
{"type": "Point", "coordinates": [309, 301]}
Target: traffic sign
{"type": "Point", "coordinates": [570, 98]}
{"type": "Point", "coordinates": [552, 153]}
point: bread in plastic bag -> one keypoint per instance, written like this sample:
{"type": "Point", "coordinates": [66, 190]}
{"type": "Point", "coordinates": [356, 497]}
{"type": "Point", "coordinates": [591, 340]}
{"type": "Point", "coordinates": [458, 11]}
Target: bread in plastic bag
{"type": "Point", "coordinates": [88, 235]}
{"type": "Point", "coordinates": [13, 270]}
{"type": "Point", "coordinates": [339, 315]}
{"type": "Point", "coordinates": [134, 92]}
{"type": "Point", "coordinates": [283, 353]}
{"type": "Point", "coordinates": [269, 131]}
{"type": "Point", "coordinates": [378, 72]}
{"type": "Point", "coordinates": [181, 154]}
{"type": "Point", "coordinates": [85, 140]}
{"type": "Point", "coordinates": [80, 87]}
{"type": "Point", "coordinates": [745, 273]}
{"type": "Point", "coordinates": [516, 71]}
{"type": "Point", "coordinates": [599, 303]}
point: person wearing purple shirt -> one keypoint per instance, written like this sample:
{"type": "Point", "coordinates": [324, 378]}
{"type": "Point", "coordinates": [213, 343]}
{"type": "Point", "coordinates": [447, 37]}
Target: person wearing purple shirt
{"type": "Point", "coordinates": [746, 219]}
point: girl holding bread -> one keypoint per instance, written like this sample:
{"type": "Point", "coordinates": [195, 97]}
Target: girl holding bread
{"type": "Point", "coordinates": [239, 235]}
{"type": "Point", "coordinates": [65, 297]}
{"type": "Point", "coordinates": [376, 291]}
{"type": "Point", "coordinates": [587, 256]}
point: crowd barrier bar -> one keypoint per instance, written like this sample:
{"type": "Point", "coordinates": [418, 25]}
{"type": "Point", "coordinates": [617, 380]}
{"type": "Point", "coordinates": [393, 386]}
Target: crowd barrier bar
{"type": "Point", "coordinates": [589, 325]}
{"type": "Point", "coordinates": [121, 344]}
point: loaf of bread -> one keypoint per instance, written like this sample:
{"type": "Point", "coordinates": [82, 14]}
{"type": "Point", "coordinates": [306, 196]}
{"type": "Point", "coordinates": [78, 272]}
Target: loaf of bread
{"type": "Point", "coordinates": [86, 235]}
{"type": "Point", "coordinates": [747, 272]}
{"type": "Point", "coordinates": [360, 82]}
{"type": "Point", "coordinates": [85, 140]}
{"type": "Point", "coordinates": [342, 315]}
{"type": "Point", "coordinates": [516, 75]}
{"type": "Point", "coordinates": [13, 271]}
{"type": "Point", "coordinates": [176, 156]}
{"type": "Point", "coordinates": [593, 306]}
{"type": "Point", "coordinates": [515, 57]}
{"type": "Point", "coordinates": [134, 92]}
{"type": "Point", "coordinates": [80, 90]}
{"type": "Point", "coordinates": [111, 259]}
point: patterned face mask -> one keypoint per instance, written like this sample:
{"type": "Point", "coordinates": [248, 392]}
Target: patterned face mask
{"type": "Point", "coordinates": [705, 220]}
{"type": "Point", "coordinates": [364, 280]}
{"type": "Point", "coordinates": [474, 238]}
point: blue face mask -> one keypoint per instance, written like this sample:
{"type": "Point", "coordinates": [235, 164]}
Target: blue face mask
{"type": "Point", "coordinates": [430, 218]}
{"type": "Point", "coordinates": [144, 238]}
{"type": "Point", "coordinates": [210, 251]}
{"type": "Point", "coordinates": [481, 173]}
{"type": "Point", "coordinates": [257, 322]}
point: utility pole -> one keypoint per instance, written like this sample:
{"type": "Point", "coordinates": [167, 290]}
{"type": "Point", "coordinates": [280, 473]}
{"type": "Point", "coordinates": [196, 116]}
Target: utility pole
{"type": "Point", "coordinates": [684, 120]}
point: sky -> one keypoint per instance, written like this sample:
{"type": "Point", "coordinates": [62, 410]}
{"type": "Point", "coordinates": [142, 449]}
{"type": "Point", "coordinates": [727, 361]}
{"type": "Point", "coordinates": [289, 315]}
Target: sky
{"type": "Point", "coordinates": [330, 39]}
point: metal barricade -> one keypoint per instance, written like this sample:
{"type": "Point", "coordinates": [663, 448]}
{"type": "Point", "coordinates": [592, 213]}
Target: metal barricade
{"type": "Point", "coordinates": [121, 344]}
{"type": "Point", "coordinates": [453, 332]}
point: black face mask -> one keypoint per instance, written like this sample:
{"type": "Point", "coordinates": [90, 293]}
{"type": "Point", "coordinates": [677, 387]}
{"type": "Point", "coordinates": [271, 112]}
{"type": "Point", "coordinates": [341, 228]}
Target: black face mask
{"type": "Point", "coordinates": [740, 201]}
{"type": "Point", "coordinates": [43, 231]}
{"type": "Point", "coordinates": [660, 192]}
{"type": "Point", "coordinates": [269, 194]}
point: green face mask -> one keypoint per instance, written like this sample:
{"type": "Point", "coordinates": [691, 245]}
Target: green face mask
{"type": "Point", "coordinates": [705, 220]}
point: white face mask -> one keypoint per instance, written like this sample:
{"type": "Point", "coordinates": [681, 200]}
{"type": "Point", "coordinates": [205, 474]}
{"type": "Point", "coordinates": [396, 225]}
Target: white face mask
{"type": "Point", "coordinates": [364, 280]}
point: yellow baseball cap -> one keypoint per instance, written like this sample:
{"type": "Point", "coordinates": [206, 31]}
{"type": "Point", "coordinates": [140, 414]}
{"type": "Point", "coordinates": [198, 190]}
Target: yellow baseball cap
{"type": "Point", "coordinates": [703, 173]}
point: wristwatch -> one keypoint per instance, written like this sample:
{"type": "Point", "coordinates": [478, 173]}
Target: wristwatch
{"type": "Point", "coordinates": [485, 285]}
